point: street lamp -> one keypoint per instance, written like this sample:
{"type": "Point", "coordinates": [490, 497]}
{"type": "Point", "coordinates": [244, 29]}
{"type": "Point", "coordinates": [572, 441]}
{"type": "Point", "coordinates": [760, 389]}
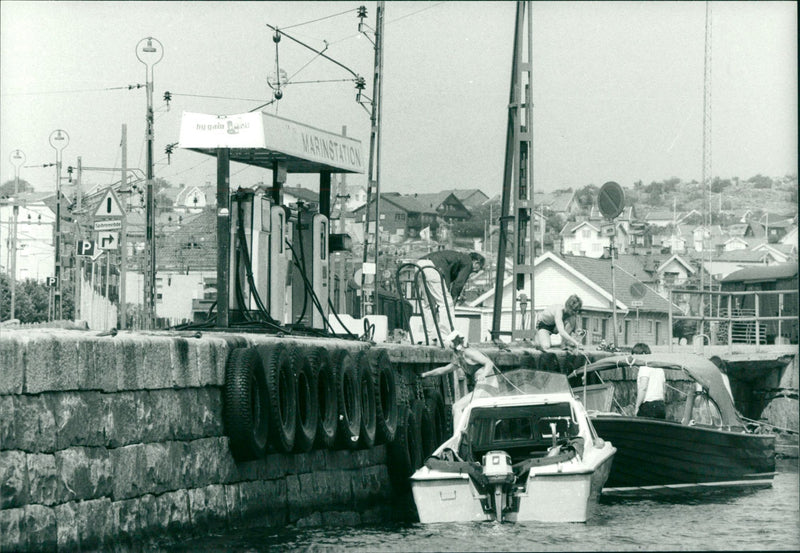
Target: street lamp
{"type": "Point", "coordinates": [17, 159]}
{"type": "Point", "coordinates": [58, 140]}
{"type": "Point", "coordinates": [149, 51]}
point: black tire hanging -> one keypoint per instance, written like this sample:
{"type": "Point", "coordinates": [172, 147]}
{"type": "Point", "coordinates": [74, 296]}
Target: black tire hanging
{"type": "Point", "coordinates": [435, 406]}
{"type": "Point", "coordinates": [405, 451]}
{"type": "Point", "coordinates": [282, 390]}
{"type": "Point", "coordinates": [348, 399]}
{"type": "Point", "coordinates": [366, 438]}
{"type": "Point", "coordinates": [425, 429]}
{"type": "Point", "coordinates": [307, 411]}
{"type": "Point", "coordinates": [386, 408]}
{"type": "Point", "coordinates": [327, 405]}
{"type": "Point", "coordinates": [245, 405]}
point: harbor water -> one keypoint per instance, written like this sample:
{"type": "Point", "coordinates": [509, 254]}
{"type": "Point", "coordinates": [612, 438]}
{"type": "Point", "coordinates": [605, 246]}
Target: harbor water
{"type": "Point", "coordinates": [764, 519]}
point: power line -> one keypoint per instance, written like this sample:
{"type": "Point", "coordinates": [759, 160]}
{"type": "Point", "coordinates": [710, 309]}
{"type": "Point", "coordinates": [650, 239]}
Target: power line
{"type": "Point", "coordinates": [320, 19]}
{"type": "Point", "coordinates": [128, 87]}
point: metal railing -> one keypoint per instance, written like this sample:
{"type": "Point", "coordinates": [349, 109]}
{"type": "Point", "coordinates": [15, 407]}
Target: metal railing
{"type": "Point", "coordinates": [744, 317]}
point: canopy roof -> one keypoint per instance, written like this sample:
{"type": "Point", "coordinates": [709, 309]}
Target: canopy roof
{"type": "Point", "coordinates": [263, 140]}
{"type": "Point", "coordinates": [699, 369]}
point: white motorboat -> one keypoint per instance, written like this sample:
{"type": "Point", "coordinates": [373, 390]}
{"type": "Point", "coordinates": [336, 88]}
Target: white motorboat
{"type": "Point", "coordinates": [523, 450]}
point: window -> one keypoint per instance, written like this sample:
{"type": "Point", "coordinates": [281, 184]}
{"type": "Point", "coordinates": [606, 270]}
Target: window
{"type": "Point", "coordinates": [650, 326]}
{"type": "Point", "coordinates": [596, 247]}
{"type": "Point", "coordinates": [586, 233]}
{"type": "Point", "coordinates": [399, 216]}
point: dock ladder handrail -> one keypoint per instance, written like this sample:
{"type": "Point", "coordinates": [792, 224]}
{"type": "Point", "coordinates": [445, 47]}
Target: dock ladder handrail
{"type": "Point", "coordinates": [419, 278]}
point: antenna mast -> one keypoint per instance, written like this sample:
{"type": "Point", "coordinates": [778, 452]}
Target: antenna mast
{"type": "Point", "coordinates": [706, 160]}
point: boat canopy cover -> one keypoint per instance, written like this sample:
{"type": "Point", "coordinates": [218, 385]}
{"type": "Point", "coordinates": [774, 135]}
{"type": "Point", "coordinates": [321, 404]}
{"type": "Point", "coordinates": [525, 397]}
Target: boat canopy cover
{"type": "Point", "coordinates": [525, 381]}
{"type": "Point", "coordinates": [698, 368]}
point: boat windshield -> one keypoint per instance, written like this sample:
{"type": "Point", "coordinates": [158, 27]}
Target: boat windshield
{"type": "Point", "coordinates": [523, 382]}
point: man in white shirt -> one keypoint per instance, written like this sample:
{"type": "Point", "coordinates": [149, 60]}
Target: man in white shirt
{"type": "Point", "coordinates": [650, 393]}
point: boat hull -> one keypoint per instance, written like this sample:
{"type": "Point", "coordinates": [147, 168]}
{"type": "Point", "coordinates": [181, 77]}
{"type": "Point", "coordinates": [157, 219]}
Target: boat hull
{"type": "Point", "coordinates": [656, 454]}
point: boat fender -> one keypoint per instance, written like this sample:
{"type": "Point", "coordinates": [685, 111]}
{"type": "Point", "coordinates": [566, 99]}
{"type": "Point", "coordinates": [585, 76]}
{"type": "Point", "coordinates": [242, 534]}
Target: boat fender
{"type": "Point", "coordinates": [307, 402]}
{"type": "Point", "coordinates": [348, 398]}
{"type": "Point", "coordinates": [405, 451]}
{"type": "Point", "coordinates": [282, 391]}
{"type": "Point", "coordinates": [245, 405]}
{"type": "Point", "coordinates": [366, 378]}
{"type": "Point", "coordinates": [327, 405]}
{"type": "Point", "coordinates": [386, 408]}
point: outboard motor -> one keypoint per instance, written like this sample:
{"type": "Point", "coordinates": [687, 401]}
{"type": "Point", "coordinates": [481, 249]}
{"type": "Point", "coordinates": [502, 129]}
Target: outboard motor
{"type": "Point", "coordinates": [500, 474]}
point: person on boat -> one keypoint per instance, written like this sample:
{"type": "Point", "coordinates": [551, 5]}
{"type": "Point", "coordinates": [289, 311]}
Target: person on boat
{"type": "Point", "coordinates": [476, 366]}
{"type": "Point", "coordinates": [650, 385]}
{"type": "Point", "coordinates": [455, 268]}
{"type": "Point", "coordinates": [558, 320]}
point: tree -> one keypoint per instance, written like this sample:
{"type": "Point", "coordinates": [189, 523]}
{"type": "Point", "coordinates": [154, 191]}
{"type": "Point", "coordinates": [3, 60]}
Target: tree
{"type": "Point", "coordinates": [7, 189]}
{"type": "Point", "coordinates": [759, 181]}
{"type": "Point", "coordinates": [32, 300]}
{"type": "Point", "coordinates": [586, 195]}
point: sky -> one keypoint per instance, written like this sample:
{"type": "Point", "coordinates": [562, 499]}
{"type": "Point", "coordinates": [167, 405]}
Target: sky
{"type": "Point", "coordinates": [617, 87]}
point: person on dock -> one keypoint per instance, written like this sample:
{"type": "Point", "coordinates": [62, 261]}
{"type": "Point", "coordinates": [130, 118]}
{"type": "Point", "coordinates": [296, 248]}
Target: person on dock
{"type": "Point", "coordinates": [476, 366]}
{"type": "Point", "coordinates": [558, 320]}
{"type": "Point", "coordinates": [650, 389]}
{"type": "Point", "coordinates": [455, 268]}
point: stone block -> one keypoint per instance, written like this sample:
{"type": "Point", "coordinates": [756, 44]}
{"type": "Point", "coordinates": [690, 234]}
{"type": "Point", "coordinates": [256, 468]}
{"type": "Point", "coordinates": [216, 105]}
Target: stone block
{"type": "Point", "coordinates": [94, 523]}
{"type": "Point", "coordinates": [44, 371]}
{"type": "Point", "coordinates": [34, 423]}
{"type": "Point", "coordinates": [148, 516]}
{"type": "Point", "coordinates": [39, 526]}
{"type": "Point", "coordinates": [92, 374]}
{"type": "Point", "coordinates": [85, 472]}
{"type": "Point", "coordinates": [107, 363]}
{"type": "Point", "coordinates": [162, 415]}
{"type": "Point", "coordinates": [311, 521]}
{"type": "Point", "coordinates": [206, 355]}
{"type": "Point", "coordinates": [67, 526]}
{"type": "Point", "coordinates": [8, 438]}
{"type": "Point", "coordinates": [222, 349]}
{"type": "Point", "coordinates": [122, 416]}
{"type": "Point", "coordinates": [172, 509]}
{"type": "Point", "coordinates": [161, 467]}
{"type": "Point", "coordinates": [208, 461]}
{"type": "Point", "coordinates": [130, 360]}
{"type": "Point", "coordinates": [14, 483]}
{"type": "Point", "coordinates": [155, 371]}
{"type": "Point", "coordinates": [207, 413]}
{"type": "Point", "coordinates": [125, 525]}
{"type": "Point", "coordinates": [233, 503]}
{"type": "Point", "coordinates": [46, 487]}
{"type": "Point", "coordinates": [11, 535]}
{"type": "Point", "coordinates": [12, 364]}
{"type": "Point", "coordinates": [277, 465]}
{"type": "Point", "coordinates": [185, 413]}
{"type": "Point", "coordinates": [215, 513]}
{"type": "Point", "coordinates": [182, 365]}
{"type": "Point", "coordinates": [127, 465]}
{"type": "Point", "coordinates": [76, 416]}
{"type": "Point", "coordinates": [259, 497]}
{"type": "Point", "coordinates": [370, 486]}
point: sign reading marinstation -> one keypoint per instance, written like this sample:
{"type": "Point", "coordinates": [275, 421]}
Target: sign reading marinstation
{"type": "Point", "coordinates": [266, 132]}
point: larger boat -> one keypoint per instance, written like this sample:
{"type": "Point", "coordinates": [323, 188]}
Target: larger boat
{"type": "Point", "coordinates": [707, 446]}
{"type": "Point", "coordinates": [523, 450]}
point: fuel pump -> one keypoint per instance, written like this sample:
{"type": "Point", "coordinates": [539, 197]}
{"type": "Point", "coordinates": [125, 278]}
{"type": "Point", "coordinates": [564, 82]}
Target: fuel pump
{"type": "Point", "coordinates": [310, 278]}
{"type": "Point", "coordinates": [258, 250]}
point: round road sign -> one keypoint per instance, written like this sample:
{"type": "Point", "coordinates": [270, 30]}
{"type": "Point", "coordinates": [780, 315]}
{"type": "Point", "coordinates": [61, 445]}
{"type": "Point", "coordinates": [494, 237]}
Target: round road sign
{"type": "Point", "coordinates": [637, 290]}
{"type": "Point", "coordinates": [611, 199]}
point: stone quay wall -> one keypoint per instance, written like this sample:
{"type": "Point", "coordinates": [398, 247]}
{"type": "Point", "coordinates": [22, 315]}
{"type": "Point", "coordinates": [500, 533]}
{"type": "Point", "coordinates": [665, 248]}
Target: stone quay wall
{"type": "Point", "coordinates": [111, 439]}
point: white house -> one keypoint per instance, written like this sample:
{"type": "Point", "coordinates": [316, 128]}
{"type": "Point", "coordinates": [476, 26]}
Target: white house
{"type": "Point", "coordinates": [589, 238]}
{"type": "Point", "coordinates": [35, 252]}
{"type": "Point", "coordinates": [674, 273]}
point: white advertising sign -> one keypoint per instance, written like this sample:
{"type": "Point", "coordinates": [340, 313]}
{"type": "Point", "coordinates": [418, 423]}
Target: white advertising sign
{"type": "Point", "coordinates": [200, 130]}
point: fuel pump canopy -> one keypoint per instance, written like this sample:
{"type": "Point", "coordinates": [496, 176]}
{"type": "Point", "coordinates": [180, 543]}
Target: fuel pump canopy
{"type": "Point", "coordinates": [263, 140]}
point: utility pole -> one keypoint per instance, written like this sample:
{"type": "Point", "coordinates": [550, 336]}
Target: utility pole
{"type": "Point", "coordinates": [17, 160]}
{"type": "Point", "coordinates": [706, 157]}
{"type": "Point", "coordinates": [58, 140]}
{"type": "Point", "coordinates": [368, 294]}
{"type": "Point", "coordinates": [154, 54]}
{"type": "Point", "coordinates": [77, 281]}
{"type": "Point", "coordinates": [518, 187]}
{"type": "Point", "coordinates": [123, 242]}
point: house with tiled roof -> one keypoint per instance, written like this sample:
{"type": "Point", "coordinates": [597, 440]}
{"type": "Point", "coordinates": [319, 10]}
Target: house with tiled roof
{"type": "Point", "coordinates": [469, 197]}
{"type": "Point", "coordinates": [561, 202]}
{"type": "Point", "coordinates": [401, 216]}
{"type": "Point", "coordinates": [294, 194]}
{"type": "Point", "coordinates": [639, 319]}
{"type": "Point", "coordinates": [790, 238]}
{"type": "Point", "coordinates": [445, 204]}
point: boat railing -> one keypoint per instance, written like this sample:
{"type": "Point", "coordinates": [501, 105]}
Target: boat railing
{"type": "Point", "coordinates": [754, 317]}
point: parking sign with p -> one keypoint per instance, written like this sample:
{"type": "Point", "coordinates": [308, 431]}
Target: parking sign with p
{"type": "Point", "coordinates": [85, 247]}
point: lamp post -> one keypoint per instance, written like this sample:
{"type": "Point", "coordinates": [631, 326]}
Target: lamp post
{"type": "Point", "coordinates": [59, 139]}
{"type": "Point", "coordinates": [17, 159]}
{"type": "Point", "coordinates": [149, 51]}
